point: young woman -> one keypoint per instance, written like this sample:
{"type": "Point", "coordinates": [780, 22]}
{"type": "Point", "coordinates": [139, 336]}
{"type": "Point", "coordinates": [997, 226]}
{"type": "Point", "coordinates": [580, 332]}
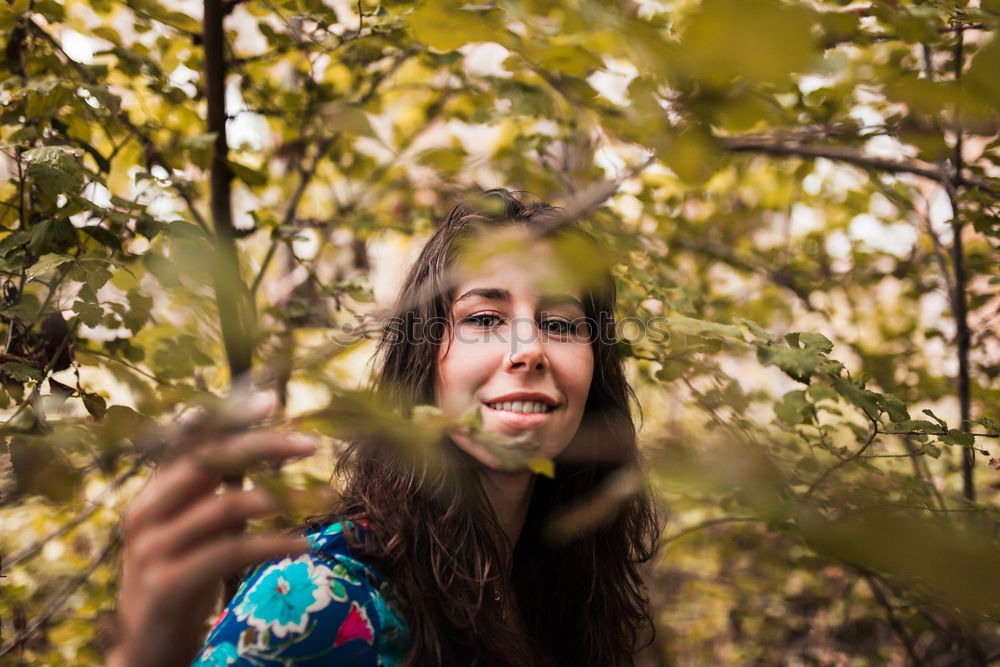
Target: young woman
{"type": "Point", "coordinates": [418, 564]}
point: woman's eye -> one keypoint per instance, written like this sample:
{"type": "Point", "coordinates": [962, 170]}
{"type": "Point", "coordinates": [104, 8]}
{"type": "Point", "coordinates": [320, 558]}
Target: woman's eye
{"type": "Point", "coordinates": [484, 320]}
{"type": "Point", "coordinates": [558, 326]}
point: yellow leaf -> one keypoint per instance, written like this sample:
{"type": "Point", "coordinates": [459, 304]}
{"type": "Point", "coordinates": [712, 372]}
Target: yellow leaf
{"type": "Point", "coordinates": [542, 466]}
{"type": "Point", "coordinates": [445, 26]}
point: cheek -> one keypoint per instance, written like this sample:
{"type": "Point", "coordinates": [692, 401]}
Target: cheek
{"type": "Point", "coordinates": [578, 372]}
{"type": "Point", "coordinates": [462, 367]}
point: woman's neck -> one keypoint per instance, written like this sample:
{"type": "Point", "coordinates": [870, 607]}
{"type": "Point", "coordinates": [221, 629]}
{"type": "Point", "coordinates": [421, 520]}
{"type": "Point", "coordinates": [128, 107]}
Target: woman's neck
{"type": "Point", "coordinates": [509, 494]}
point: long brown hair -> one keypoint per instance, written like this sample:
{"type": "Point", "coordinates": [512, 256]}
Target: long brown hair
{"type": "Point", "coordinates": [435, 536]}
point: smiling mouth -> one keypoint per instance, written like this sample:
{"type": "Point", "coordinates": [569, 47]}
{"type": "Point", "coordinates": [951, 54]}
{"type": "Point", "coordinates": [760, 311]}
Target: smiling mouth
{"type": "Point", "coordinates": [522, 407]}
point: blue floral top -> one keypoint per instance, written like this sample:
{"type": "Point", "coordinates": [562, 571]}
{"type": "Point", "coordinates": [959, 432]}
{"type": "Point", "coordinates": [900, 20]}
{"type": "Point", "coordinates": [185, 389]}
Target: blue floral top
{"type": "Point", "coordinates": [321, 608]}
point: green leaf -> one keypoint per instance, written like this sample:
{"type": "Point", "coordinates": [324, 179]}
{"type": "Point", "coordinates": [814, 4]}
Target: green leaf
{"type": "Point", "coordinates": [808, 465]}
{"type": "Point", "coordinates": [989, 424]}
{"type": "Point", "coordinates": [859, 396]}
{"type": "Point", "coordinates": [956, 437]}
{"type": "Point", "coordinates": [46, 263]}
{"type": "Point", "coordinates": [690, 326]}
{"type": "Point", "coordinates": [97, 275]}
{"type": "Point", "coordinates": [933, 416]}
{"type": "Point", "coordinates": [164, 270]}
{"type": "Point", "coordinates": [51, 235]}
{"type": "Point", "coordinates": [22, 372]}
{"type": "Point", "coordinates": [758, 331]}
{"type": "Point", "coordinates": [96, 405]}
{"type": "Point", "coordinates": [894, 407]}
{"type": "Point", "coordinates": [140, 306]}
{"type": "Point", "coordinates": [250, 176]}
{"type": "Point", "coordinates": [794, 409]}
{"type": "Point", "coordinates": [931, 450]}
{"type": "Point", "coordinates": [90, 314]}
{"type": "Point", "coordinates": [102, 236]}
{"type": "Point", "coordinates": [821, 392]}
{"type": "Point", "coordinates": [798, 363]}
{"type": "Point", "coordinates": [54, 169]}
{"type": "Point", "coordinates": [815, 340]}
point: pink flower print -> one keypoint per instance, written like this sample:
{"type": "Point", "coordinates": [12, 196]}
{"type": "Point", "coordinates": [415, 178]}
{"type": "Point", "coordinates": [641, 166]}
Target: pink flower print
{"type": "Point", "coordinates": [355, 626]}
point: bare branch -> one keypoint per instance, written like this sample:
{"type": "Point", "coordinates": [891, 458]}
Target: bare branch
{"type": "Point", "coordinates": [56, 602]}
{"type": "Point", "coordinates": [897, 627]}
{"type": "Point", "coordinates": [708, 524]}
{"type": "Point", "coordinates": [95, 504]}
{"type": "Point", "coordinates": [770, 145]}
{"type": "Point", "coordinates": [840, 464]}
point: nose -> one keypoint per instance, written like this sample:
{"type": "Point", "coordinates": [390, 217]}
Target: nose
{"type": "Point", "coordinates": [527, 352]}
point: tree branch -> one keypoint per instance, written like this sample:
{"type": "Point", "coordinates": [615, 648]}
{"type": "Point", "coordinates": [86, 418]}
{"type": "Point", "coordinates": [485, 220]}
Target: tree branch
{"type": "Point", "coordinates": [723, 253]}
{"type": "Point", "coordinates": [153, 154]}
{"type": "Point", "coordinates": [840, 464]}
{"type": "Point", "coordinates": [230, 293]}
{"type": "Point", "coordinates": [708, 524]}
{"type": "Point", "coordinates": [770, 145]}
{"type": "Point", "coordinates": [56, 602]}
{"type": "Point", "coordinates": [898, 628]}
{"type": "Point", "coordinates": [963, 337]}
{"type": "Point", "coordinates": [305, 177]}
{"type": "Point", "coordinates": [95, 504]}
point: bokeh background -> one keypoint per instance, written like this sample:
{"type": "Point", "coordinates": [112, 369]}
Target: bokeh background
{"type": "Point", "coordinates": [801, 194]}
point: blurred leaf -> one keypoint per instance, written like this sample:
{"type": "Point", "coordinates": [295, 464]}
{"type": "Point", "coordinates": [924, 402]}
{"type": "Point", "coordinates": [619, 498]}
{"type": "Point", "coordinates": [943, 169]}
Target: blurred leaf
{"type": "Point", "coordinates": [729, 39]}
{"type": "Point", "coordinates": [445, 25]}
{"type": "Point", "coordinates": [41, 470]}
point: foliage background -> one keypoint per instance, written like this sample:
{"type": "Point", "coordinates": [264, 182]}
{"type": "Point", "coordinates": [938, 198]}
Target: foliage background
{"type": "Point", "coordinates": [758, 169]}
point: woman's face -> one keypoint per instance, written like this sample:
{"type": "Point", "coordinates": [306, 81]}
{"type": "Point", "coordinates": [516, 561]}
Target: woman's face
{"type": "Point", "coordinates": [516, 352]}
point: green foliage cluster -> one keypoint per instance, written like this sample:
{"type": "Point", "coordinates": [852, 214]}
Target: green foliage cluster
{"type": "Point", "coordinates": [803, 193]}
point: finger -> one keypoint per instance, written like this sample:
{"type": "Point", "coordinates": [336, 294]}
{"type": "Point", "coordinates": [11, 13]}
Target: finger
{"type": "Point", "coordinates": [186, 480]}
{"type": "Point", "coordinates": [237, 454]}
{"type": "Point", "coordinates": [212, 516]}
{"type": "Point", "coordinates": [216, 560]}
{"type": "Point", "coordinates": [236, 412]}
{"type": "Point", "coordinates": [171, 488]}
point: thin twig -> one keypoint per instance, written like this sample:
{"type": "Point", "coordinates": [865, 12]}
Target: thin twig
{"type": "Point", "coordinates": [95, 504]}
{"type": "Point", "coordinates": [829, 471]}
{"type": "Point", "coordinates": [305, 177]}
{"type": "Point", "coordinates": [55, 603]}
{"type": "Point", "coordinates": [898, 628]}
{"type": "Point", "coordinates": [708, 524]}
{"type": "Point", "coordinates": [975, 435]}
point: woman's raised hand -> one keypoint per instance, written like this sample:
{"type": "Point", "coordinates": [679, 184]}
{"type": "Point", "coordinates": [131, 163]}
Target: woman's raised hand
{"type": "Point", "coordinates": [182, 537]}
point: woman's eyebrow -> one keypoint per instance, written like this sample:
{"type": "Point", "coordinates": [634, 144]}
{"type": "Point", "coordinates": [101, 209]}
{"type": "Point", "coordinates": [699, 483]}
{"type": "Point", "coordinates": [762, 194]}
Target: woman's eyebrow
{"type": "Point", "coordinates": [498, 294]}
{"type": "Point", "coordinates": [490, 293]}
{"type": "Point", "coordinates": [562, 300]}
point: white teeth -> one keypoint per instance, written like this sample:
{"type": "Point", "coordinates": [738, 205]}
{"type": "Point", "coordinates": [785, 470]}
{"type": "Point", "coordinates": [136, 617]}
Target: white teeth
{"type": "Point", "coordinates": [523, 407]}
